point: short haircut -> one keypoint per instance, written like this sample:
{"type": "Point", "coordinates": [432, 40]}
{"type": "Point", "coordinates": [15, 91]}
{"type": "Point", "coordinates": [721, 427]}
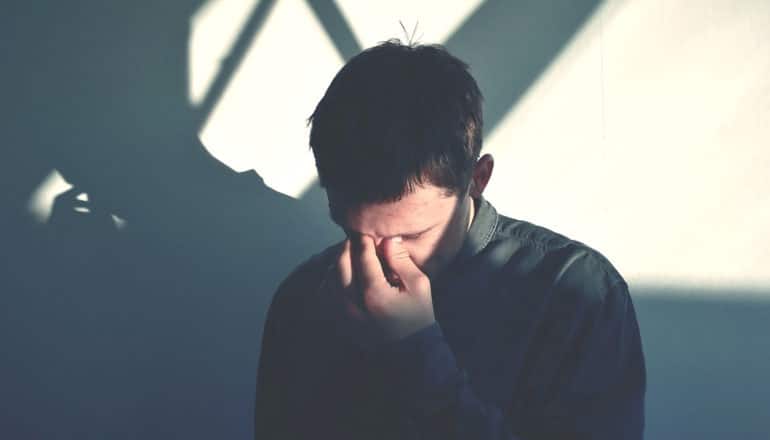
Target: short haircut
{"type": "Point", "coordinates": [396, 116]}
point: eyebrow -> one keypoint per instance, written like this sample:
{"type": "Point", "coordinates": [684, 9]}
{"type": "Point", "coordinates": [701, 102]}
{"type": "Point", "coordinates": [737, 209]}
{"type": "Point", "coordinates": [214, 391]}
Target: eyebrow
{"type": "Point", "coordinates": [406, 234]}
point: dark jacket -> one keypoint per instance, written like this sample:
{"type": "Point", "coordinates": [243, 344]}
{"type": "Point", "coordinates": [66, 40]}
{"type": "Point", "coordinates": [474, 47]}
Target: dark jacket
{"type": "Point", "coordinates": [535, 338]}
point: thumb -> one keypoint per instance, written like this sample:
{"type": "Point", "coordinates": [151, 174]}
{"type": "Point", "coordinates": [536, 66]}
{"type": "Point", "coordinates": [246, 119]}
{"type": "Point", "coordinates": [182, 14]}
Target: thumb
{"type": "Point", "coordinates": [400, 262]}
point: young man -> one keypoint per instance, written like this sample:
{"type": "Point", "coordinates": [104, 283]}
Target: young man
{"type": "Point", "coordinates": [437, 317]}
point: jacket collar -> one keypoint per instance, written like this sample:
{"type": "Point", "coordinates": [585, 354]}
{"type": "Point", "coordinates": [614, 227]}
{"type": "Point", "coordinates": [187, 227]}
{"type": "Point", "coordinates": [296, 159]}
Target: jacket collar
{"type": "Point", "coordinates": [481, 231]}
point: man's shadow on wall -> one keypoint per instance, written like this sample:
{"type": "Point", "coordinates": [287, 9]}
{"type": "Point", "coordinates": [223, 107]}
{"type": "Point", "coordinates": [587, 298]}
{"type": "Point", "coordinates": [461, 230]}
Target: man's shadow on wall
{"type": "Point", "coordinates": [151, 331]}
{"type": "Point", "coordinates": [154, 331]}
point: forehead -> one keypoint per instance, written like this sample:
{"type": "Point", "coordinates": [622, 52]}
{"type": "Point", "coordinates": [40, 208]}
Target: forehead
{"type": "Point", "coordinates": [419, 210]}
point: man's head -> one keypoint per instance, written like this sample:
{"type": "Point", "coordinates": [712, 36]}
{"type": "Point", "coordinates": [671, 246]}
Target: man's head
{"type": "Point", "coordinates": [396, 139]}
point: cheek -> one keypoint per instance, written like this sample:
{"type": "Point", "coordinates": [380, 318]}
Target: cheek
{"type": "Point", "coordinates": [423, 251]}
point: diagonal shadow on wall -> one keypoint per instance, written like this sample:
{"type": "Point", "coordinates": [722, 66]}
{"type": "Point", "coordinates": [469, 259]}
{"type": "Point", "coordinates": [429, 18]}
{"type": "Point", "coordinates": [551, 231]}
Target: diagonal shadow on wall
{"type": "Point", "coordinates": [152, 331]}
{"type": "Point", "coordinates": [508, 45]}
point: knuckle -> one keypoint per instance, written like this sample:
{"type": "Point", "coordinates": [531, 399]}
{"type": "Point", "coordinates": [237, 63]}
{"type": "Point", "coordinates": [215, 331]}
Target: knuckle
{"type": "Point", "coordinates": [394, 250]}
{"type": "Point", "coordinates": [421, 282]}
{"type": "Point", "coordinates": [366, 242]}
{"type": "Point", "coordinates": [376, 306]}
{"type": "Point", "coordinates": [400, 254]}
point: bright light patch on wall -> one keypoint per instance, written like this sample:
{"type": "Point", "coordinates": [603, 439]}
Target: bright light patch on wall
{"type": "Point", "coordinates": [651, 146]}
{"type": "Point", "coordinates": [119, 222]}
{"type": "Point", "coordinates": [40, 203]}
{"type": "Point", "coordinates": [213, 30]}
{"type": "Point", "coordinates": [260, 121]}
{"type": "Point", "coordinates": [436, 21]}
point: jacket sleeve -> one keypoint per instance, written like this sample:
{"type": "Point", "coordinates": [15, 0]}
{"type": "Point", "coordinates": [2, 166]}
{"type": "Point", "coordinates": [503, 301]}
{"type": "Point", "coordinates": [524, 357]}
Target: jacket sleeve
{"type": "Point", "coordinates": [271, 408]}
{"type": "Point", "coordinates": [599, 396]}
{"type": "Point", "coordinates": [276, 390]}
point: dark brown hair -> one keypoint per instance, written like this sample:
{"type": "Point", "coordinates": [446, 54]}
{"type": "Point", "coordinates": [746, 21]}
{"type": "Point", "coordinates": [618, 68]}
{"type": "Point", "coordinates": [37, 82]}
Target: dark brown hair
{"type": "Point", "coordinates": [396, 116]}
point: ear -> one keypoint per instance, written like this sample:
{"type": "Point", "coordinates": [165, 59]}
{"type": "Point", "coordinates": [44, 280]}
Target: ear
{"type": "Point", "coordinates": [482, 172]}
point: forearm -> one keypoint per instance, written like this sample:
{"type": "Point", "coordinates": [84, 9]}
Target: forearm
{"type": "Point", "coordinates": [441, 402]}
{"type": "Point", "coordinates": [436, 393]}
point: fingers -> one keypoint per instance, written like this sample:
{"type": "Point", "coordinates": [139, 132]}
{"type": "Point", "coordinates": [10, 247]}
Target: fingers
{"type": "Point", "coordinates": [348, 295]}
{"type": "Point", "coordinates": [366, 263]}
{"type": "Point", "coordinates": [344, 267]}
{"type": "Point", "coordinates": [398, 259]}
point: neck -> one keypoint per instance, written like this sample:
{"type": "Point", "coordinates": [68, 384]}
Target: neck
{"type": "Point", "coordinates": [472, 214]}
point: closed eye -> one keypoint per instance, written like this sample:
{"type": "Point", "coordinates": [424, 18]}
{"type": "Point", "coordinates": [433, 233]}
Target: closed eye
{"type": "Point", "coordinates": [412, 236]}
{"type": "Point", "coordinates": [418, 235]}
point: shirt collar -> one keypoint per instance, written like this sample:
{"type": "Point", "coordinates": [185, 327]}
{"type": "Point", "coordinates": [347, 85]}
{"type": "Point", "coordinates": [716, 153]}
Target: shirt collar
{"type": "Point", "coordinates": [481, 231]}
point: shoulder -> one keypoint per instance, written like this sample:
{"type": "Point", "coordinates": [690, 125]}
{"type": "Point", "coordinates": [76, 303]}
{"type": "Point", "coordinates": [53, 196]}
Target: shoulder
{"type": "Point", "coordinates": [304, 280]}
{"type": "Point", "coordinates": [568, 290]}
{"type": "Point", "coordinates": [568, 269]}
